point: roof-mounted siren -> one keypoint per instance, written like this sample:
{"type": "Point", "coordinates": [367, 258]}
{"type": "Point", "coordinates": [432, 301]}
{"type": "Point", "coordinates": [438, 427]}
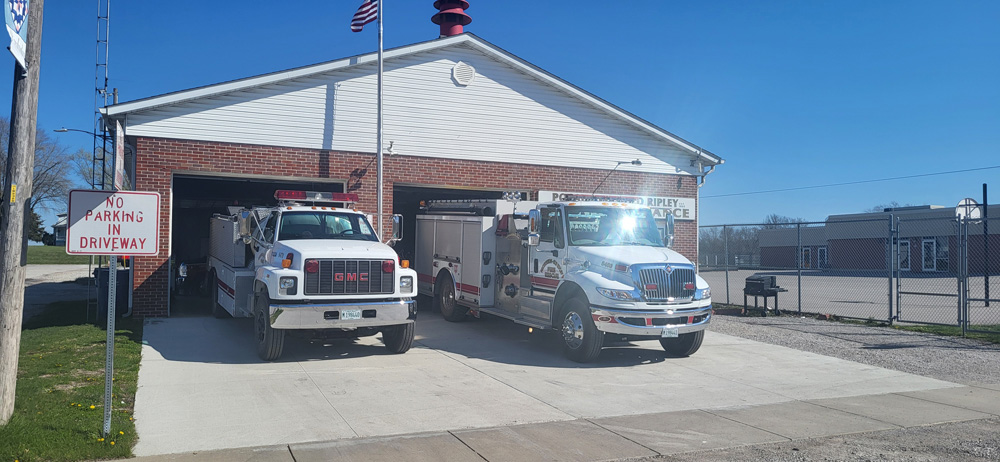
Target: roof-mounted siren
{"type": "Point", "coordinates": [288, 195]}
{"type": "Point", "coordinates": [451, 16]}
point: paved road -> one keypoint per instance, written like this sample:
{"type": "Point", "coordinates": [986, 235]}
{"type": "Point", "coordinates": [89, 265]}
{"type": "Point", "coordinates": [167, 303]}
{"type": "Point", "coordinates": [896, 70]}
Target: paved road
{"type": "Point", "coordinates": [46, 284]}
{"type": "Point", "coordinates": [201, 387]}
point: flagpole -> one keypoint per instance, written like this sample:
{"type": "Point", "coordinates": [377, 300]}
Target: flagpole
{"type": "Point", "coordinates": [379, 154]}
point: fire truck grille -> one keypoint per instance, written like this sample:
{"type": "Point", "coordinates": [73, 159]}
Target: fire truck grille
{"type": "Point", "coordinates": [668, 285]}
{"type": "Point", "coordinates": [349, 277]}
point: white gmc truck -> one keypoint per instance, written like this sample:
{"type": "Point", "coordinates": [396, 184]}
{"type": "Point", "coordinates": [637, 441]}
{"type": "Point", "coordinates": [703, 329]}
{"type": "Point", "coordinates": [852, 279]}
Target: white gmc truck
{"type": "Point", "coordinates": [592, 269]}
{"type": "Point", "coordinates": [311, 264]}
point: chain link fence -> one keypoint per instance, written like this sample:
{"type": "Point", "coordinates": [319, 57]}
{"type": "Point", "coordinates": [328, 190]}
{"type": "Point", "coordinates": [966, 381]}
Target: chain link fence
{"type": "Point", "coordinates": [921, 270]}
{"type": "Point", "coordinates": [839, 268]}
{"type": "Point", "coordinates": [981, 275]}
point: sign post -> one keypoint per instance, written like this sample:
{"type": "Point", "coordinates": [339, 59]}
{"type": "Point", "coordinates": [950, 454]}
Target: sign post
{"type": "Point", "coordinates": [112, 223]}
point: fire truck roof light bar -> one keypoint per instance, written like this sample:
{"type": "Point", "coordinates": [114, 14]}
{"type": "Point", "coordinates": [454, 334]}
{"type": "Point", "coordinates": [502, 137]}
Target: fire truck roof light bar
{"type": "Point", "coordinates": [315, 196]}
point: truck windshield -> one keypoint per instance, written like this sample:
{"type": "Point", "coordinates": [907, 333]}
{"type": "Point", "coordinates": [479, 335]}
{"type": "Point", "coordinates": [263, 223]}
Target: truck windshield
{"type": "Point", "coordinates": [324, 225]}
{"type": "Point", "coordinates": [610, 226]}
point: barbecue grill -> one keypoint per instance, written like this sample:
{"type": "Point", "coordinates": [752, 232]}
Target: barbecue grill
{"type": "Point", "coordinates": [761, 286]}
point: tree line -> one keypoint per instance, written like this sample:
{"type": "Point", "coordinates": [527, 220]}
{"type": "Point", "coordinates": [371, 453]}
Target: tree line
{"type": "Point", "coordinates": [56, 172]}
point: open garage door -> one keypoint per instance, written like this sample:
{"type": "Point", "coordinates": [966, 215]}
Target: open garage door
{"type": "Point", "coordinates": [406, 202]}
{"type": "Point", "coordinates": [196, 198]}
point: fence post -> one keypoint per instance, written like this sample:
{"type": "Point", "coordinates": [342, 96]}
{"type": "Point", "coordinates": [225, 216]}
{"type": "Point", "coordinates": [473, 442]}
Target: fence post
{"type": "Point", "coordinates": [964, 268]}
{"type": "Point", "coordinates": [726, 234]}
{"type": "Point", "coordinates": [958, 271]}
{"type": "Point", "coordinates": [891, 245]}
{"type": "Point", "coordinates": [798, 251]}
{"type": "Point", "coordinates": [899, 271]}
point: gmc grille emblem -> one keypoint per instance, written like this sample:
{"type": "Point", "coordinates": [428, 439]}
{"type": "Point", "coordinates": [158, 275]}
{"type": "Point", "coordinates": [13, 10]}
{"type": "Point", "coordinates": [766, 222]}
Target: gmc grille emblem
{"type": "Point", "coordinates": [351, 277]}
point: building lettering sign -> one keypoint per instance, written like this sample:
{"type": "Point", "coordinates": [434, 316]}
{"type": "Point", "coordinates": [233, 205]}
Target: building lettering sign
{"type": "Point", "coordinates": [681, 207]}
{"type": "Point", "coordinates": [113, 223]}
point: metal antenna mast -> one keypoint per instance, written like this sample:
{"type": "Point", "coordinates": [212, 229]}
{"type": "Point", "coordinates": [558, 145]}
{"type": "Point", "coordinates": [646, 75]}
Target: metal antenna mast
{"type": "Point", "coordinates": [101, 95]}
{"type": "Point", "coordinates": [100, 132]}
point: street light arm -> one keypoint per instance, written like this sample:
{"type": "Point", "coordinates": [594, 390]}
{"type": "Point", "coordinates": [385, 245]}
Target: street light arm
{"type": "Point", "coordinates": [64, 130]}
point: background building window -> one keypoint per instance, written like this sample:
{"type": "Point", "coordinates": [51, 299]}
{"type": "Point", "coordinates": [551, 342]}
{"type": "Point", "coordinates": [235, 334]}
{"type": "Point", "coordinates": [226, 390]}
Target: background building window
{"type": "Point", "coordinates": [941, 256]}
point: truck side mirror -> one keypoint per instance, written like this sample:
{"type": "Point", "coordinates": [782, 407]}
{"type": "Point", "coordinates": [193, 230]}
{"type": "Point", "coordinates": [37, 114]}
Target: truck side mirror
{"type": "Point", "coordinates": [397, 228]}
{"type": "Point", "coordinates": [668, 231]}
{"type": "Point", "coordinates": [534, 221]}
{"type": "Point", "coordinates": [244, 225]}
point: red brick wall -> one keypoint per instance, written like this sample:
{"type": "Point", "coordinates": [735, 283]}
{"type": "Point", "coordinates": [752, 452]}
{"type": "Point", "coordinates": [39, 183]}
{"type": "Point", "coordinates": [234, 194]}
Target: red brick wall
{"type": "Point", "coordinates": [157, 159]}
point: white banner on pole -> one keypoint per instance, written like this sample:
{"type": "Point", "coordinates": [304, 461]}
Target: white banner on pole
{"type": "Point", "coordinates": [16, 15]}
{"type": "Point", "coordinates": [119, 180]}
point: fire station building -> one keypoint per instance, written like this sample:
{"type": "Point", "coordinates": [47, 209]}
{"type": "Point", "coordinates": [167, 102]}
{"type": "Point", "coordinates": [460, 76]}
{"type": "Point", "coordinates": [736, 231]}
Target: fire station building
{"type": "Point", "coordinates": [462, 119]}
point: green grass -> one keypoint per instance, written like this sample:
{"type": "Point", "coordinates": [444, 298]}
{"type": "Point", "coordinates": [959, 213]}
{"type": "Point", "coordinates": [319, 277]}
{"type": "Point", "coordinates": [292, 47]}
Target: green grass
{"type": "Point", "coordinates": [53, 255]}
{"type": "Point", "coordinates": [59, 407]}
{"type": "Point", "coordinates": [951, 331]}
{"type": "Point", "coordinates": [956, 331]}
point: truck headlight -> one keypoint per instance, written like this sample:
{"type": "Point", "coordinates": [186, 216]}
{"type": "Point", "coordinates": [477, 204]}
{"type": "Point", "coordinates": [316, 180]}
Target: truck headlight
{"type": "Point", "coordinates": [616, 294]}
{"type": "Point", "coordinates": [286, 284]}
{"type": "Point", "coordinates": [406, 284]}
{"type": "Point", "coordinates": [702, 294]}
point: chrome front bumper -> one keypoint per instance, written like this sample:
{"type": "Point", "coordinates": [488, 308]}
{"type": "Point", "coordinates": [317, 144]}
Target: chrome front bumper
{"type": "Point", "coordinates": [651, 323]}
{"type": "Point", "coordinates": [327, 316]}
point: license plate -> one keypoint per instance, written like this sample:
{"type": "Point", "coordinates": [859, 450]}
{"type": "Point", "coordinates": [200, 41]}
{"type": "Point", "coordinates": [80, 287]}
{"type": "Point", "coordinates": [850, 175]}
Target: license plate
{"type": "Point", "coordinates": [669, 332]}
{"type": "Point", "coordinates": [348, 315]}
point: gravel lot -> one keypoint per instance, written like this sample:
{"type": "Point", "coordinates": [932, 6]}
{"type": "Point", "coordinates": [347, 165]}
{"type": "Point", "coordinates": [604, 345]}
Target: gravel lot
{"type": "Point", "coordinates": [977, 440]}
{"type": "Point", "coordinates": [964, 361]}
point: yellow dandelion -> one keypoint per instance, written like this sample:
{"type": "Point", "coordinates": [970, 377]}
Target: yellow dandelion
{"type": "Point", "coordinates": [100, 439]}
{"type": "Point", "coordinates": [112, 443]}
{"type": "Point", "coordinates": [121, 433]}
{"type": "Point", "coordinates": [92, 406]}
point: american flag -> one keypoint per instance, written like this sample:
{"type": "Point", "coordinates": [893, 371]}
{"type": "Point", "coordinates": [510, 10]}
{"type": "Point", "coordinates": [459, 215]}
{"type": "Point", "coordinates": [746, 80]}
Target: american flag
{"type": "Point", "coordinates": [367, 12]}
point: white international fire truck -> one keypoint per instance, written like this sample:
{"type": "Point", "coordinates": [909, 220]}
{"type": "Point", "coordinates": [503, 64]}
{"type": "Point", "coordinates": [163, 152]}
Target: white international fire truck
{"type": "Point", "coordinates": [311, 264]}
{"type": "Point", "coordinates": [594, 269]}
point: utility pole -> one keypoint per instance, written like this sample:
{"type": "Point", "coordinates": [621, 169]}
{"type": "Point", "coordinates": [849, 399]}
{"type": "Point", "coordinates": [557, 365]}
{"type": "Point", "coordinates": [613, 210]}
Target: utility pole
{"type": "Point", "coordinates": [16, 192]}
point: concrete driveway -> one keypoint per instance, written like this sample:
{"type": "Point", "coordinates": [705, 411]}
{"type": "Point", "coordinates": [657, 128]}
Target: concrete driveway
{"type": "Point", "coordinates": [201, 386]}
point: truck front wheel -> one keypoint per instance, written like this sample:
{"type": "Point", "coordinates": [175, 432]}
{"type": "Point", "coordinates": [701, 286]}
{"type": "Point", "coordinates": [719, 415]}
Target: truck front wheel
{"type": "Point", "coordinates": [683, 345]}
{"type": "Point", "coordinates": [582, 341]}
{"type": "Point", "coordinates": [270, 341]}
{"type": "Point", "coordinates": [445, 300]}
{"type": "Point", "coordinates": [398, 339]}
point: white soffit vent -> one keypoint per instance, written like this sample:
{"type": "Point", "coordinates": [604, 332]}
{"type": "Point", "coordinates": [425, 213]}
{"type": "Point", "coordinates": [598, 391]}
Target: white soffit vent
{"type": "Point", "coordinates": [463, 73]}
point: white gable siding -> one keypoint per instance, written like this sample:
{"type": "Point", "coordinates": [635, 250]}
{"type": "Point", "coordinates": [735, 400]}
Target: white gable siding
{"type": "Point", "coordinates": [504, 115]}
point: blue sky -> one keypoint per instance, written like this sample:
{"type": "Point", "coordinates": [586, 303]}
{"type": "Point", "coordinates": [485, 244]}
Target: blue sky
{"type": "Point", "coordinates": [790, 93]}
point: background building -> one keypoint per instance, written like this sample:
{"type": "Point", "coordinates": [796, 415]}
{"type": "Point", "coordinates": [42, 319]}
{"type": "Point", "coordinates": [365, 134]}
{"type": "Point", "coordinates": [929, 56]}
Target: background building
{"type": "Point", "coordinates": [928, 238]}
